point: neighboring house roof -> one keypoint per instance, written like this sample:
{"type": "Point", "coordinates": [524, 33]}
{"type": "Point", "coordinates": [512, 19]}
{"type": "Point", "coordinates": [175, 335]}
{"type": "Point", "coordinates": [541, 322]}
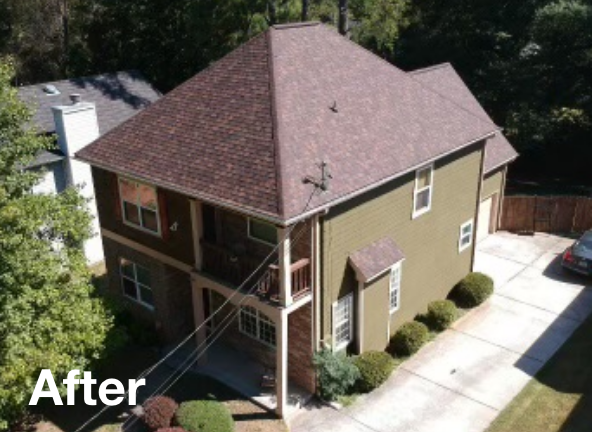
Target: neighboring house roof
{"type": "Point", "coordinates": [118, 96]}
{"type": "Point", "coordinates": [444, 79]}
{"type": "Point", "coordinates": [372, 260]}
{"type": "Point", "coordinates": [244, 132]}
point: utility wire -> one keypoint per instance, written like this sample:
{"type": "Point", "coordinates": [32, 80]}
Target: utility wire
{"type": "Point", "coordinates": [227, 321]}
{"type": "Point", "coordinates": [190, 335]}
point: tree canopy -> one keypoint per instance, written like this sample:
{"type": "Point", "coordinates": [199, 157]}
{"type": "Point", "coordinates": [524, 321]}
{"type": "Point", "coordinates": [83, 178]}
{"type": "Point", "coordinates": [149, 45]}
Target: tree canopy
{"type": "Point", "coordinates": [48, 315]}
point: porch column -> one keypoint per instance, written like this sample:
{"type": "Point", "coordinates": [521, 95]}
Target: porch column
{"type": "Point", "coordinates": [285, 262]}
{"type": "Point", "coordinates": [197, 231]}
{"type": "Point", "coordinates": [281, 369]}
{"type": "Point", "coordinates": [316, 281]}
{"type": "Point", "coordinates": [199, 314]}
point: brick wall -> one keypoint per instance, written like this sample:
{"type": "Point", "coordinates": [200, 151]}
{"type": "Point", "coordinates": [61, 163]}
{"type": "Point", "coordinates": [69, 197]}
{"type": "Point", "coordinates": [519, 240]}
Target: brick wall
{"type": "Point", "coordinates": [300, 368]}
{"type": "Point", "coordinates": [172, 316]}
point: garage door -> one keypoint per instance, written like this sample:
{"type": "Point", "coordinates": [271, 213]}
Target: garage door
{"type": "Point", "coordinates": [484, 219]}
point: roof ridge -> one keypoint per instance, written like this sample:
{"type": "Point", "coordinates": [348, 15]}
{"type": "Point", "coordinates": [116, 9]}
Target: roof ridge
{"type": "Point", "coordinates": [275, 124]}
{"type": "Point", "coordinates": [431, 68]}
{"type": "Point", "coordinates": [295, 25]}
{"type": "Point", "coordinates": [432, 89]}
{"type": "Point", "coordinates": [410, 76]}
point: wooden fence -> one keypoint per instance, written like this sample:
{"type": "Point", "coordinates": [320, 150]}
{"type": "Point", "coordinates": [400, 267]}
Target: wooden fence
{"type": "Point", "coordinates": [552, 214]}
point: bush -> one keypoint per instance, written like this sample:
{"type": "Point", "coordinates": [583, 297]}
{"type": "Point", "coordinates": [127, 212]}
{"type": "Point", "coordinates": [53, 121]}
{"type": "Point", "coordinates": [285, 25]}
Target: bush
{"type": "Point", "coordinates": [441, 314]}
{"type": "Point", "coordinates": [375, 367]}
{"type": "Point", "coordinates": [336, 373]}
{"type": "Point", "coordinates": [172, 429]}
{"type": "Point", "coordinates": [473, 290]}
{"type": "Point", "coordinates": [409, 339]}
{"type": "Point", "coordinates": [204, 416]}
{"type": "Point", "coordinates": [159, 412]}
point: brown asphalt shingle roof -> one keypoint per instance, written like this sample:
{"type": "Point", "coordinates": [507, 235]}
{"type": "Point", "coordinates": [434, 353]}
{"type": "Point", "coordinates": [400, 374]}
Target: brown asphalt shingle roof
{"type": "Point", "coordinates": [372, 260]}
{"type": "Point", "coordinates": [245, 131]}
{"type": "Point", "coordinates": [445, 80]}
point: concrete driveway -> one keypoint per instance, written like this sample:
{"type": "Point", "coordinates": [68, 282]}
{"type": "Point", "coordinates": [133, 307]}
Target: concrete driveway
{"type": "Point", "coordinates": [463, 379]}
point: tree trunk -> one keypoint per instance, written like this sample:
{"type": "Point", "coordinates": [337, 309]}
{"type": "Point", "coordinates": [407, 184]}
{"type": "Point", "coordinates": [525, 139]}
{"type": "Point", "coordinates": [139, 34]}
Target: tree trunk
{"type": "Point", "coordinates": [66, 36]}
{"type": "Point", "coordinates": [272, 10]}
{"type": "Point", "coordinates": [343, 17]}
{"type": "Point", "coordinates": [304, 17]}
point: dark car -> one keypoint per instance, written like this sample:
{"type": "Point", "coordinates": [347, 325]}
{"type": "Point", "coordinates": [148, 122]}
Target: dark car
{"type": "Point", "coordinates": [578, 257]}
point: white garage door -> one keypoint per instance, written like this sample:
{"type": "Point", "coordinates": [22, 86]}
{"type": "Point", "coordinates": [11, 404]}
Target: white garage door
{"type": "Point", "coordinates": [484, 219]}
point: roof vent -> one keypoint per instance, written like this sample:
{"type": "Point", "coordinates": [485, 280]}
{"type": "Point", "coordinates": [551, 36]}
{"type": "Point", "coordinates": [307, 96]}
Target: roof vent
{"type": "Point", "coordinates": [75, 98]}
{"type": "Point", "coordinates": [50, 90]}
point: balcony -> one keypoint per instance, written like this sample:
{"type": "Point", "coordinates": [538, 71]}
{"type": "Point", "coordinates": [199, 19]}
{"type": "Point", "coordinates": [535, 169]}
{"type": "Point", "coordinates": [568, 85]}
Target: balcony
{"type": "Point", "coordinates": [234, 268]}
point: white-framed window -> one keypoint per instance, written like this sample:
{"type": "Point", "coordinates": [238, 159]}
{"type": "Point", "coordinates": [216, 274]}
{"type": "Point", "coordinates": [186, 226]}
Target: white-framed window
{"type": "Point", "coordinates": [395, 288]}
{"type": "Point", "coordinates": [343, 310]}
{"type": "Point", "coordinates": [465, 238]}
{"type": "Point", "coordinates": [257, 325]}
{"type": "Point", "coordinates": [139, 205]}
{"type": "Point", "coordinates": [135, 281]}
{"type": "Point", "coordinates": [422, 194]}
{"type": "Point", "coordinates": [262, 231]}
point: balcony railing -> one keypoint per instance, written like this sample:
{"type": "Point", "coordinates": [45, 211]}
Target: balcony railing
{"type": "Point", "coordinates": [223, 264]}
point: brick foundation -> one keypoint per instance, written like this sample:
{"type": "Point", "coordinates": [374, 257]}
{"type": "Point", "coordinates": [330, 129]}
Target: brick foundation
{"type": "Point", "coordinates": [300, 367]}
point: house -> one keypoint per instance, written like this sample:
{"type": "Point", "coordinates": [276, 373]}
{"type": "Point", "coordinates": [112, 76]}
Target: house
{"type": "Point", "coordinates": [79, 110]}
{"type": "Point", "coordinates": [366, 184]}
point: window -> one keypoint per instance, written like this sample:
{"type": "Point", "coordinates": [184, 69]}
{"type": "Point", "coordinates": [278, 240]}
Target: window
{"type": "Point", "coordinates": [422, 195]}
{"type": "Point", "coordinates": [136, 283]}
{"type": "Point", "coordinates": [257, 325]}
{"type": "Point", "coordinates": [342, 322]}
{"type": "Point", "coordinates": [263, 231]}
{"type": "Point", "coordinates": [395, 288]}
{"type": "Point", "coordinates": [466, 235]}
{"type": "Point", "coordinates": [139, 205]}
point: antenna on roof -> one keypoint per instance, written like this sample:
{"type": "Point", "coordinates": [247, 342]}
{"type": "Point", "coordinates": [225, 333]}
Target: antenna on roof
{"type": "Point", "coordinates": [323, 183]}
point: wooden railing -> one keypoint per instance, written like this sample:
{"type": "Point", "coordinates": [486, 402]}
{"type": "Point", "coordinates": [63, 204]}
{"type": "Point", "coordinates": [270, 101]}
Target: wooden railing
{"type": "Point", "coordinates": [220, 262]}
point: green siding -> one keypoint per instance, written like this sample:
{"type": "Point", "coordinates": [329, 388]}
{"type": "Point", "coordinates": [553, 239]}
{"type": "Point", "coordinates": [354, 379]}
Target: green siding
{"type": "Point", "coordinates": [433, 264]}
{"type": "Point", "coordinates": [376, 315]}
{"type": "Point", "coordinates": [492, 183]}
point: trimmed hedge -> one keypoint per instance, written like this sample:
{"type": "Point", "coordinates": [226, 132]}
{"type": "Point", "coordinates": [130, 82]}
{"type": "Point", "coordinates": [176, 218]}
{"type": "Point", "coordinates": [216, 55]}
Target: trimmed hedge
{"type": "Point", "coordinates": [375, 367]}
{"type": "Point", "coordinates": [441, 314]}
{"type": "Point", "coordinates": [409, 339]}
{"type": "Point", "coordinates": [159, 412]}
{"type": "Point", "coordinates": [473, 290]}
{"type": "Point", "coordinates": [204, 416]}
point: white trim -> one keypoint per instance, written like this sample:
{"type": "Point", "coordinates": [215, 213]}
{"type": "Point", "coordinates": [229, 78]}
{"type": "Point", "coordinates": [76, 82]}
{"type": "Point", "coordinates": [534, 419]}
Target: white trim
{"type": "Point", "coordinates": [158, 232]}
{"type": "Point", "coordinates": [399, 268]}
{"type": "Point", "coordinates": [249, 219]}
{"type": "Point", "coordinates": [258, 318]}
{"type": "Point", "coordinates": [416, 213]}
{"type": "Point", "coordinates": [360, 317]}
{"type": "Point", "coordinates": [471, 223]}
{"type": "Point", "coordinates": [349, 299]}
{"type": "Point", "coordinates": [138, 297]}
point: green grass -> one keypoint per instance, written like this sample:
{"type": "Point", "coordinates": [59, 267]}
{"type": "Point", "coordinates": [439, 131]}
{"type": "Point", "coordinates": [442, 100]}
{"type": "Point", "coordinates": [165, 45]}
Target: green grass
{"type": "Point", "coordinates": [559, 398]}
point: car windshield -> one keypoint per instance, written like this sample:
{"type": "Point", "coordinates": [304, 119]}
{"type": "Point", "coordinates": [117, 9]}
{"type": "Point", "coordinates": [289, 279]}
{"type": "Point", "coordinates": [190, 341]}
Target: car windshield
{"type": "Point", "coordinates": [586, 241]}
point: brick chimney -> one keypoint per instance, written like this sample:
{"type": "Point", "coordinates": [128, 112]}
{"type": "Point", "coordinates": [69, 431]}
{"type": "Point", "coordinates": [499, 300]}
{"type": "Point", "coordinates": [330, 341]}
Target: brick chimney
{"type": "Point", "coordinates": [77, 126]}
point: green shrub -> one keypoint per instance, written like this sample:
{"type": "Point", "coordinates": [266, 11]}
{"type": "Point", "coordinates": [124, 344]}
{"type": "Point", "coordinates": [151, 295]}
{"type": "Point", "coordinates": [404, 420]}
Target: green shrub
{"type": "Point", "coordinates": [336, 373]}
{"type": "Point", "coordinates": [204, 416]}
{"type": "Point", "coordinates": [441, 314]}
{"type": "Point", "coordinates": [159, 412]}
{"type": "Point", "coordinates": [172, 429]}
{"type": "Point", "coordinates": [375, 367]}
{"type": "Point", "coordinates": [409, 339]}
{"type": "Point", "coordinates": [473, 290]}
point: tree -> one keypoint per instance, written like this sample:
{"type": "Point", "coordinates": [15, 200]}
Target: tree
{"type": "Point", "coordinates": [49, 317]}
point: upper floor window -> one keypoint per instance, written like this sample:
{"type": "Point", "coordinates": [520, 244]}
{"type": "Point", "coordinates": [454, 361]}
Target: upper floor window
{"type": "Point", "coordinates": [139, 203]}
{"type": "Point", "coordinates": [263, 231]}
{"type": "Point", "coordinates": [422, 195]}
{"type": "Point", "coordinates": [466, 235]}
{"type": "Point", "coordinates": [343, 322]}
{"type": "Point", "coordinates": [136, 282]}
{"type": "Point", "coordinates": [257, 325]}
{"type": "Point", "coordinates": [395, 288]}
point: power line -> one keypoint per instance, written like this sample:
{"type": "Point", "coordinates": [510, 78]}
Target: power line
{"type": "Point", "coordinates": [189, 360]}
{"type": "Point", "coordinates": [188, 337]}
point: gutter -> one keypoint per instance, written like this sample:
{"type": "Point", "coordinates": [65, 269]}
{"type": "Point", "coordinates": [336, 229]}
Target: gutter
{"type": "Point", "coordinates": [276, 220]}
